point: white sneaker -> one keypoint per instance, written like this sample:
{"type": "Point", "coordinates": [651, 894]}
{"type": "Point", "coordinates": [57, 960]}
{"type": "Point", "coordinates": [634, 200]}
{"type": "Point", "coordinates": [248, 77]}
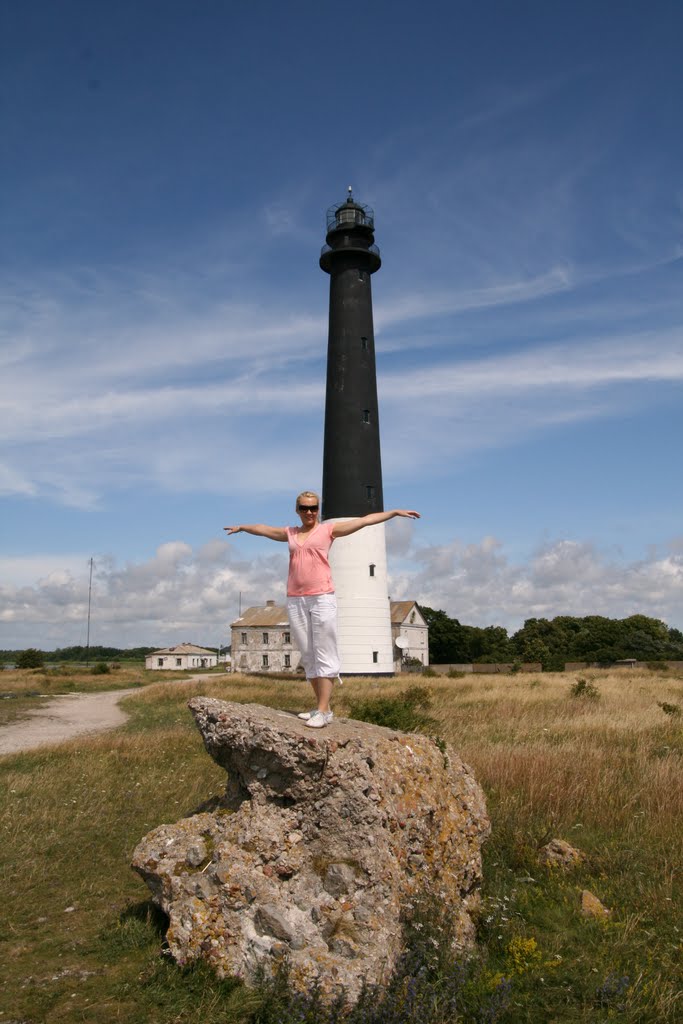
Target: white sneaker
{"type": "Point", "coordinates": [319, 719]}
{"type": "Point", "coordinates": [305, 715]}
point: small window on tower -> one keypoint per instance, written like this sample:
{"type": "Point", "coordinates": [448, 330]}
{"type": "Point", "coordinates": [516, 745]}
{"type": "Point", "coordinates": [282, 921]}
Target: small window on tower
{"type": "Point", "coordinates": [244, 638]}
{"type": "Point", "coordinates": [369, 491]}
{"type": "Point", "coordinates": [371, 567]}
{"type": "Point", "coordinates": [364, 344]}
{"type": "Point", "coordinates": [362, 275]}
{"type": "Point", "coordinates": [375, 656]}
{"type": "Point", "coordinates": [366, 415]}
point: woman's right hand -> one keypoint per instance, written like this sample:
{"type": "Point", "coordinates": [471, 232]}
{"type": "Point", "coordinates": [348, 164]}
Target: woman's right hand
{"type": "Point", "coordinates": [232, 529]}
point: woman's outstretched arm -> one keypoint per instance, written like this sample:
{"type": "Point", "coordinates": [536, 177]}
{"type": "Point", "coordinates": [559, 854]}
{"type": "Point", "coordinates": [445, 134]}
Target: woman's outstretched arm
{"type": "Point", "coordinates": [259, 530]}
{"type": "Point", "coordinates": [353, 525]}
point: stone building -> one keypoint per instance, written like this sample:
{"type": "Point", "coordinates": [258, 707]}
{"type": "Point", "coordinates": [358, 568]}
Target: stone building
{"type": "Point", "coordinates": [182, 656]}
{"type": "Point", "coordinates": [262, 642]}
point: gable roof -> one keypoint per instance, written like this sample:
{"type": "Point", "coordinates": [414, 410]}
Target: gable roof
{"type": "Point", "coordinates": [184, 649]}
{"type": "Point", "coordinates": [263, 615]}
{"type": "Point", "coordinates": [400, 610]}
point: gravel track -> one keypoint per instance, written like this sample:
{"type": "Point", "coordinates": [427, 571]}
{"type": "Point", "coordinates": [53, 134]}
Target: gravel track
{"type": "Point", "coordinates": [66, 716]}
{"type": "Point", "coordinates": [69, 715]}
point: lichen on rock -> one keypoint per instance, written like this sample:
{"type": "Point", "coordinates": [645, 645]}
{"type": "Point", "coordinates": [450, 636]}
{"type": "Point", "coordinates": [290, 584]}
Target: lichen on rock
{"type": "Point", "coordinates": [328, 838]}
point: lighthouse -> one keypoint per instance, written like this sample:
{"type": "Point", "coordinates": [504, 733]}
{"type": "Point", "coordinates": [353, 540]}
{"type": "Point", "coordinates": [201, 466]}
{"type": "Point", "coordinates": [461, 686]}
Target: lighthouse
{"type": "Point", "coordinates": [352, 464]}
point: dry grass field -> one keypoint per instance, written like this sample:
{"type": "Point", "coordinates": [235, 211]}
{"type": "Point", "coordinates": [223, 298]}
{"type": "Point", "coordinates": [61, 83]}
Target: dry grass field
{"type": "Point", "coordinates": [594, 758]}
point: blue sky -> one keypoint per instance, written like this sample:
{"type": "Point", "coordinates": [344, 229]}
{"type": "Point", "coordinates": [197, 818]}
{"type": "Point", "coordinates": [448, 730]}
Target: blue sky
{"type": "Point", "coordinates": [166, 170]}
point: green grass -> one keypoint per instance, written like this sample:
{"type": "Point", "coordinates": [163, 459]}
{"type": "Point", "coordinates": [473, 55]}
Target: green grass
{"type": "Point", "coordinates": [83, 942]}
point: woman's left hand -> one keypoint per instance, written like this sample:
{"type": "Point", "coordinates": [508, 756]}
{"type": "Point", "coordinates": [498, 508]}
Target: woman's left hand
{"type": "Point", "coordinates": [408, 513]}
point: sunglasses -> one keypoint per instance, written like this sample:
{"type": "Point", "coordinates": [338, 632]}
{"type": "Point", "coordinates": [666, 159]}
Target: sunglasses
{"type": "Point", "coordinates": [308, 508]}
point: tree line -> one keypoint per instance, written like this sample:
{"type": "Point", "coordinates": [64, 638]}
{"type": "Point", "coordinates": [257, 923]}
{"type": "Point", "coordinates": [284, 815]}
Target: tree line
{"type": "Point", "coordinates": [553, 642]}
{"type": "Point", "coordinates": [77, 654]}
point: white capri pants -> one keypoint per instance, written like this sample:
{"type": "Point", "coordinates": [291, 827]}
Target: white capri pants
{"type": "Point", "coordinates": [313, 621]}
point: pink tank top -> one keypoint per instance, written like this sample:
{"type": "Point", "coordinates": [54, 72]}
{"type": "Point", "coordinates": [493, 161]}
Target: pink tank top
{"type": "Point", "coordinates": [309, 568]}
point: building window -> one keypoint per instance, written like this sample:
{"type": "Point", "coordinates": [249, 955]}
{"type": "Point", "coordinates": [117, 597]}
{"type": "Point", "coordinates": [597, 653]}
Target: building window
{"type": "Point", "coordinates": [264, 661]}
{"type": "Point", "coordinates": [412, 616]}
{"type": "Point", "coordinates": [288, 661]}
{"type": "Point", "coordinates": [244, 638]}
{"type": "Point", "coordinates": [160, 662]}
{"type": "Point", "coordinates": [287, 638]}
{"type": "Point", "coordinates": [375, 656]}
{"type": "Point", "coordinates": [371, 567]}
{"type": "Point", "coordinates": [369, 491]}
{"type": "Point", "coordinates": [178, 662]}
{"type": "Point", "coordinates": [364, 344]}
{"type": "Point", "coordinates": [265, 637]}
{"type": "Point", "coordinates": [366, 415]}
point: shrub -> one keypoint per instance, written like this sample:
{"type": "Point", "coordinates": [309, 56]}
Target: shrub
{"type": "Point", "coordinates": [612, 990]}
{"type": "Point", "coordinates": [101, 668]}
{"type": "Point", "coordinates": [585, 689]}
{"type": "Point", "coordinates": [31, 658]}
{"type": "Point", "coordinates": [454, 674]}
{"type": "Point", "coordinates": [673, 710]}
{"type": "Point", "coordinates": [405, 712]}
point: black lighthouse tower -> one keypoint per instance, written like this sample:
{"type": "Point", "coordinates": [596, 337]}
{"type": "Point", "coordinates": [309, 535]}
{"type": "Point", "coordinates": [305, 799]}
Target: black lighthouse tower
{"type": "Point", "coordinates": [352, 464]}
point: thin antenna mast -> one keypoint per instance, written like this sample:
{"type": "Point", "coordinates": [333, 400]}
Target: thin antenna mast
{"type": "Point", "coordinates": [87, 643]}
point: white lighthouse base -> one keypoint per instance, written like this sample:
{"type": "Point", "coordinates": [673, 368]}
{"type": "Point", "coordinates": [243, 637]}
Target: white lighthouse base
{"type": "Point", "coordinates": [359, 570]}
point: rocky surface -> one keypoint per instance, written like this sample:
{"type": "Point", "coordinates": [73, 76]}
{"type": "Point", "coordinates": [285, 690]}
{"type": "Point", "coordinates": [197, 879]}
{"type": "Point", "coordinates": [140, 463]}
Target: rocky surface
{"type": "Point", "coordinates": [558, 853]}
{"type": "Point", "coordinates": [591, 906]}
{"type": "Point", "coordinates": [315, 848]}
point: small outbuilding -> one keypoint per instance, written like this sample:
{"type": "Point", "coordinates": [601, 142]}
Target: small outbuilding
{"type": "Point", "coordinates": [183, 656]}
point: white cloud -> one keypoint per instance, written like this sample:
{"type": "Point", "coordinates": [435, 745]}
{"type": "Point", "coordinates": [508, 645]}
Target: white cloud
{"type": "Point", "coordinates": [192, 594]}
{"type": "Point", "coordinates": [648, 356]}
{"type": "Point", "coordinates": [429, 304]}
{"type": "Point", "coordinates": [13, 481]}
{"type": "Point", "coordinates": [479, 585]}
{"type": "Point", "coordinates": [178, 594]}
{"type": "Point", "coordinates": [238, 376]}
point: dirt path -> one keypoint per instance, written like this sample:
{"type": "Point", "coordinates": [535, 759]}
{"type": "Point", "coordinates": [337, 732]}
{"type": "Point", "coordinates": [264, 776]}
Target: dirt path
{"type": "Point", "coordinates": [69, 715]}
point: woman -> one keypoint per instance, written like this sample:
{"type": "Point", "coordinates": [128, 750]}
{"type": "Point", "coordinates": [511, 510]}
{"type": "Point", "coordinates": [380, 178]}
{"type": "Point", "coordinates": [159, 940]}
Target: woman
{"type": "Point", "coordinates": [311, 603]}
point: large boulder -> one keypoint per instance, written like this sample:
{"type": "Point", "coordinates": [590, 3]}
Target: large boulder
{"type": "Point", "coordinates": [316, 847]}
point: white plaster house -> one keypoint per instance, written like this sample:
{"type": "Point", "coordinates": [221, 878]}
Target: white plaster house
{"type": "Point", "coordinates": [409, 633]}
{"type": "Point", "coordinates": [183, 656]}
{"type": "Point", "coordinates": [261, 640]}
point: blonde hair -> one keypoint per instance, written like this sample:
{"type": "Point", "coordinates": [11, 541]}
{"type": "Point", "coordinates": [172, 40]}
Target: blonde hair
{"type": "Point", "coordinates": [306, 494]}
